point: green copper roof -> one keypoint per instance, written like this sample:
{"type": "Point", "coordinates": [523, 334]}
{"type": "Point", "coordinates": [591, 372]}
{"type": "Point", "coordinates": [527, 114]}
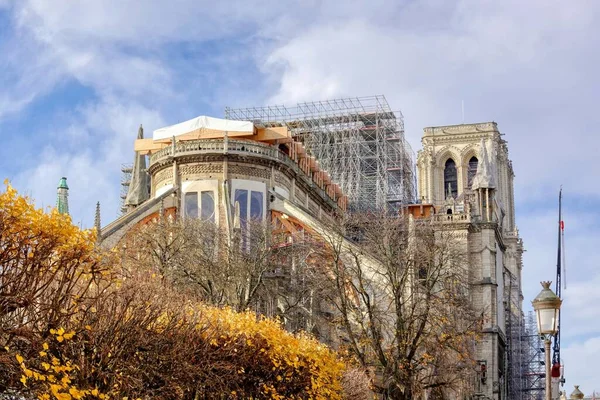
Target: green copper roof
{"type": "Point", "coordinates": [62, 184]}
{"type": "Point", "coordinates": [62, 196]}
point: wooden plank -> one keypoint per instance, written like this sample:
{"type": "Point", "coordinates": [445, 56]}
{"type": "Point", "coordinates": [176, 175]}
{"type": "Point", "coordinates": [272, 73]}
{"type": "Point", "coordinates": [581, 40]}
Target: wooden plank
{"type": "Point", "coordinates": [145, 146]}
{"type": "Point", "coordinates": [286, 223]}
{"type": "Point", "coordinates": [276, 141]}
{"type": "Point", "coordinates": [276, 133]}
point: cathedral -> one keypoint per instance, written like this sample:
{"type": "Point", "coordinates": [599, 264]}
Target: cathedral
{"type": "Point", "coordinates": [465, 173]}
{"type": "Point", "coordinates": [263, 166]}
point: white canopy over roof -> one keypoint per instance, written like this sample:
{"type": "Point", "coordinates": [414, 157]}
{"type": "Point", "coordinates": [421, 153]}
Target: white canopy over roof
{"type": "Point", "coordinates": [203, 123]}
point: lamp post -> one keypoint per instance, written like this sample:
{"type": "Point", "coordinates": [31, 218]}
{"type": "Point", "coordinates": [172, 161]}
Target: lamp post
{"type": "Point", "coordinates": [547, 306]}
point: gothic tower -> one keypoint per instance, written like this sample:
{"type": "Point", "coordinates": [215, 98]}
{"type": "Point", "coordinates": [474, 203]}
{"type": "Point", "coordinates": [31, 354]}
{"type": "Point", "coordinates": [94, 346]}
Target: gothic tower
{"type": "Point", "coordinates": [450, 159]}
{"type": "Point", "coordinates": [465, 173]}
{"type": "Point", "coordinates": [62, 196]}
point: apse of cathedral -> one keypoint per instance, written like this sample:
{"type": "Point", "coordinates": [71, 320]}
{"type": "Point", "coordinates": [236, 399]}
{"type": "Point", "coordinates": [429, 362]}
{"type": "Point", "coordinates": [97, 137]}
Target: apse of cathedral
{"type": "Point", "coordinates": [228, 171]}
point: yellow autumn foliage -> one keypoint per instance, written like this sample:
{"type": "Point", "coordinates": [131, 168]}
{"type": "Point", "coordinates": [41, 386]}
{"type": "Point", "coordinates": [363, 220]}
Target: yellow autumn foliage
{"type": "Point", "coordinates": [74, 327]}
{"type": "Point", "coordinates": [289, 356]}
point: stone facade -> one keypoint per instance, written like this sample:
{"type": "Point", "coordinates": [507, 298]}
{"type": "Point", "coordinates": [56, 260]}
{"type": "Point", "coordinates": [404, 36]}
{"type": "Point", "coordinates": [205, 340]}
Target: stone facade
{"type": "Point", "coordinates": [232, 183]}
{"type": "Point", "coordinates": [484, 221]}
{"type": "Point", "coordinates": [220, 167]}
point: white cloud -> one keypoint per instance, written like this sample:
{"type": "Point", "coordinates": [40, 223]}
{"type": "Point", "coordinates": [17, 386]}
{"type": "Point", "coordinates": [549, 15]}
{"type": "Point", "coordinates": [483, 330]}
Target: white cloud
{"type": "Point", "coordinates": [154, 22]}
{"type": "Point", "coordinates": [105, 133]}
{"type": "Point", "coordinates": [527, 66]}
{"type": "Point", "coordinates": [27, 72]}
{"type": "Point", "coordinates": [531, 66]}
{"type": "Point", "coordinates": [581, 360]}
{"type": "Point", "coordinates": [580, 314]}
{"type": "Point", "coordinates": [113, 47]}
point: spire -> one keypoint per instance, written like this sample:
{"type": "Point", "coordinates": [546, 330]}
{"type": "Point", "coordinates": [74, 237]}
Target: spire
{"type": "Point", "coordinates": [97, 223]}
{"type": "Point", "coordinates": [484, 177]}
{"type": "Point", "coordinates": [138, 187]}
{"type": "Point", "coordinates": [62, 196]}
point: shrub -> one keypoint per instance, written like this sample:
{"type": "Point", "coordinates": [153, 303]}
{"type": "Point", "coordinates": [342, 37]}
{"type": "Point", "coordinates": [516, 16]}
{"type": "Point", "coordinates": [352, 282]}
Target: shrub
{"type": "Point", "coordinates": [73, 326]}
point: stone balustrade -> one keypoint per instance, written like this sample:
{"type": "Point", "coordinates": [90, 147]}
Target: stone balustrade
{"type": "Point", "coordinates": [240, 148]}
{"type": "Point", "coordinates": [449, 218]}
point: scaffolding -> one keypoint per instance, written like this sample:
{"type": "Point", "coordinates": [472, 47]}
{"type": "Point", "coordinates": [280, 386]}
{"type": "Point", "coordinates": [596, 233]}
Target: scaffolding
{"type": "Point", "coordinates": [516, 335]}
{"type": "Point", "coordinates": [126, 170]}
{"type": "Point", "coordinates": [359, 141]}
{"type": "Point", "coordinates": [534, 374]}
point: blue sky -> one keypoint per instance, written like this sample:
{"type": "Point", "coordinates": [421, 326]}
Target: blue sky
{"type": "Point", "coordinates": [77, 78]}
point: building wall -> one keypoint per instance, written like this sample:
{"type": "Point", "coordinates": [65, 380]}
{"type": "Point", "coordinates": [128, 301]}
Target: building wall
{"type": "Point", "coordinates": [234, 173]}
{"type": "Point", "coordinates": [494, 247]}
{"type": "Point", "coordinates": [461, 142]}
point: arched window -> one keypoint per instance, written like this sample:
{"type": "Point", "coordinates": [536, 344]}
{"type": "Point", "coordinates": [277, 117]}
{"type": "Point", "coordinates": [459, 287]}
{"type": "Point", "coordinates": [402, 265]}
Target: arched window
{"type": "Point", "coordinates": [450, 179]}
{"type": "Point", "coordinates": [206, 204]}
{"type": "Point", "coordinates": [472, 171]}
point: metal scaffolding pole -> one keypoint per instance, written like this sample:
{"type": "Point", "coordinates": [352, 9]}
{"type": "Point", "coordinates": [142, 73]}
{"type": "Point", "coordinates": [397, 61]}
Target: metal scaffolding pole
{"type": "Point", "coordinates": [515, 333]}
{"type": "Point", "coordinates": [126, 170]}
{"type": "Point", "coordinates": [534, 375]}
{"type": "Point", "coordinates": [359, 141]}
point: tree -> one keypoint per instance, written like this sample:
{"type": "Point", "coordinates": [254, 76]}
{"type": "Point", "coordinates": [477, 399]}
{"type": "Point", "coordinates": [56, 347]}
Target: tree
{"type": "Point", "coordinates": [263, 268]}
{"type": "Point", "coordinates": [401, 293]}
{"type": "Point", "coordinates": [47, 268]}
{"type": "Point", "coordinates": [76, 324]}
{"type": "Point", "coordinates": [198, 256]}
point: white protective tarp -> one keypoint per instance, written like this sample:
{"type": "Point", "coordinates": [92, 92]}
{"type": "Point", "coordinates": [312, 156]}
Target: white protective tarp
{"type": "Point", "coordinates": [203, 122]}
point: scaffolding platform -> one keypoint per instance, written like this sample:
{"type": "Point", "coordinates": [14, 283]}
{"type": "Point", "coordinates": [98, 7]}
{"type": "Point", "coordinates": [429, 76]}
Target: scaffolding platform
{"type": "Point", "coordinates": [359, 141]}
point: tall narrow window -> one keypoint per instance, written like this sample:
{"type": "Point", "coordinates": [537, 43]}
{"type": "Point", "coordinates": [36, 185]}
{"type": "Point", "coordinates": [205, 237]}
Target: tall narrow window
{"type": "Point", "coordinates": [241, 197]}
{"type": "Point", "coordinates": [191, 204]}
{"type": "Point", "coordinates": [450, 179]}
{"type": "Point", "coordinates": [256, 205]}
{"type": "Point", "coordinates": [207, 206]}
{"type": "Point", "coordinates": [472, 171]}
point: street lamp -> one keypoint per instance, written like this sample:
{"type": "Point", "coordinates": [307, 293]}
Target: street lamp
{"type": "Point", "coordinates": [577, 394]}
{"type": "Point", "coordinates": [547, 306]}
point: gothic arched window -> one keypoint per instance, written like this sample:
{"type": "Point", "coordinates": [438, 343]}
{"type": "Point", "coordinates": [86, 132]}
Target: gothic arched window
{"type": "Point", "coordinates": [472, 171]}
{"type": "Point", "coordinates": [450, 178]}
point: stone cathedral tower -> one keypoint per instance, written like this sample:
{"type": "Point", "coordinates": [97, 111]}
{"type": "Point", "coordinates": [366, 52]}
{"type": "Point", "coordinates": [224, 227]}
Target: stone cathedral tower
{"type": "Point", "coordinates": [465, 173]}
